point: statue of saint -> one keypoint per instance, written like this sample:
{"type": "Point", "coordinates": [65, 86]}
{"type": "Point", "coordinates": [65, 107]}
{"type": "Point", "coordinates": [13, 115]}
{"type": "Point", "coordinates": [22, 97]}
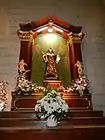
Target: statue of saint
{"type": "Point", "coordinates": [50, 58]}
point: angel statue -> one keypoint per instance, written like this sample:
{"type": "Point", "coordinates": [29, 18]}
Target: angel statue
{"type": "Point", "coordinates": [21, 66]}
{"type": "Point", "coordinates": [50, 58]}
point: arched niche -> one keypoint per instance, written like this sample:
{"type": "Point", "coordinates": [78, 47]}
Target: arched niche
{"type": "Point", "coordinates": [72, 34]}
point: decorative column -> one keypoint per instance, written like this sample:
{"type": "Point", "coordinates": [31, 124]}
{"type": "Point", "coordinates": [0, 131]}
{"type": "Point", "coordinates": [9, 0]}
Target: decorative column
{"type": "Point", "coordinates": [26, 44]}
{"type": "Point", "coordinates": [75, 52]}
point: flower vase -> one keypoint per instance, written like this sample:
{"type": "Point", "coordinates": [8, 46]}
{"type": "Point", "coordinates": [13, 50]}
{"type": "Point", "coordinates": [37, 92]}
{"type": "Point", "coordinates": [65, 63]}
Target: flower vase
{"type": "Point", "coordinates": [52, 121]}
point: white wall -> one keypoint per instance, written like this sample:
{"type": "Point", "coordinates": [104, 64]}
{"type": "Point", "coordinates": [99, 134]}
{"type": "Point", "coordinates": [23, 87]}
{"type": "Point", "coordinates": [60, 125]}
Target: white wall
{"type": "Point", "coordinates": [90, 14]}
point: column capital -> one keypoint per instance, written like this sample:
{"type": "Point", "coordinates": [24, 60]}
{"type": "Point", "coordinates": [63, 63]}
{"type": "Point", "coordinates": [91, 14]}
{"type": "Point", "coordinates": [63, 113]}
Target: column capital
{"type": "Point", "coordinates": [25, 35]}
{"type": "Point", "coordinates": [75, 37]}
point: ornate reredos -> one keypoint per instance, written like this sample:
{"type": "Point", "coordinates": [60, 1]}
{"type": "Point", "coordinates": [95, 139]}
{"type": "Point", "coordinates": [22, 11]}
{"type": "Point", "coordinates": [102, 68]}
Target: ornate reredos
{"type": "Point", "coordinates": [72, 34]}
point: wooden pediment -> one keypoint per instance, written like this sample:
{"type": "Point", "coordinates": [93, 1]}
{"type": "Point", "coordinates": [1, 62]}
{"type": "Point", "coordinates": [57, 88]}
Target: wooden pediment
{"type": "Point", "coordinates": [34, 25]}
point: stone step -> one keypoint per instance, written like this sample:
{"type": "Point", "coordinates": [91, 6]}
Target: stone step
{"type": "Point", "coordinates": [61, 132]}
{"type": "Point", "coordinates": [31, 114]}
{"type": "Point", "coordinates": [13, 122]}
{"type": "Point", "coordinates": [86, 113]}
{"type": "Point", "coordinates": [88, 121]}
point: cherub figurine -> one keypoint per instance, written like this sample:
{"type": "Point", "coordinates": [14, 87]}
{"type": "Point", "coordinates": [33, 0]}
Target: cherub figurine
{"type": "Point", "coordinates": [21, 66]}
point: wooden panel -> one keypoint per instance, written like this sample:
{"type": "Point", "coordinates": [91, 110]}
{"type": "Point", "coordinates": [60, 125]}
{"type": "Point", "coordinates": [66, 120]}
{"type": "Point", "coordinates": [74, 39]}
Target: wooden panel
{"type": "Point", "coordinates": [25, 102]}
{"type": "Point", "coordinates": [78, 103]}
{"type": "Point", "coordinates": [28, 101]}
{"type": "Point", "coordinates": [53, 83]}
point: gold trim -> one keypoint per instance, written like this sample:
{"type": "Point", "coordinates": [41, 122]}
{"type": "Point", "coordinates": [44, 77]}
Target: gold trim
{"type": "Point", "coordinates": [50, 23]}
{"type": "Point", "coordinates": [25, 35]}
{"type": "Point", "coordinates": [75, 38]}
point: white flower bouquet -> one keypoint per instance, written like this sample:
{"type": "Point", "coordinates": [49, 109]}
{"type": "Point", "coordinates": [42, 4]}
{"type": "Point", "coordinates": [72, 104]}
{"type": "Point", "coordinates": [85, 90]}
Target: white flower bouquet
{"type": "Point", "coordinates": [2, 106]}
{"type": "Point", "coordinates": [23, 85]}
{"type": "Point", "coordinates": [79, 86]}
{"type": "Point", "coordinates": [3, 95]}
{"type": "Point", "coordinates": [52, 104]}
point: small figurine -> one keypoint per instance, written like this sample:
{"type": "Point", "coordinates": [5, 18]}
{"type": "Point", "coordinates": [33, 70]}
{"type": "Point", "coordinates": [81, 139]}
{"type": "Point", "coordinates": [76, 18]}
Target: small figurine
{"type": "Point", "coordinates": [21, 66]}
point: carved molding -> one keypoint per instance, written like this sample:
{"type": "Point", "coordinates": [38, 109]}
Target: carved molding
{"type": "Point", "coordinates": [25, 35]}
{"type": "Point", "coordinates": [50, 23]}
{"type": "Point", "coordinates": [75, 38]}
